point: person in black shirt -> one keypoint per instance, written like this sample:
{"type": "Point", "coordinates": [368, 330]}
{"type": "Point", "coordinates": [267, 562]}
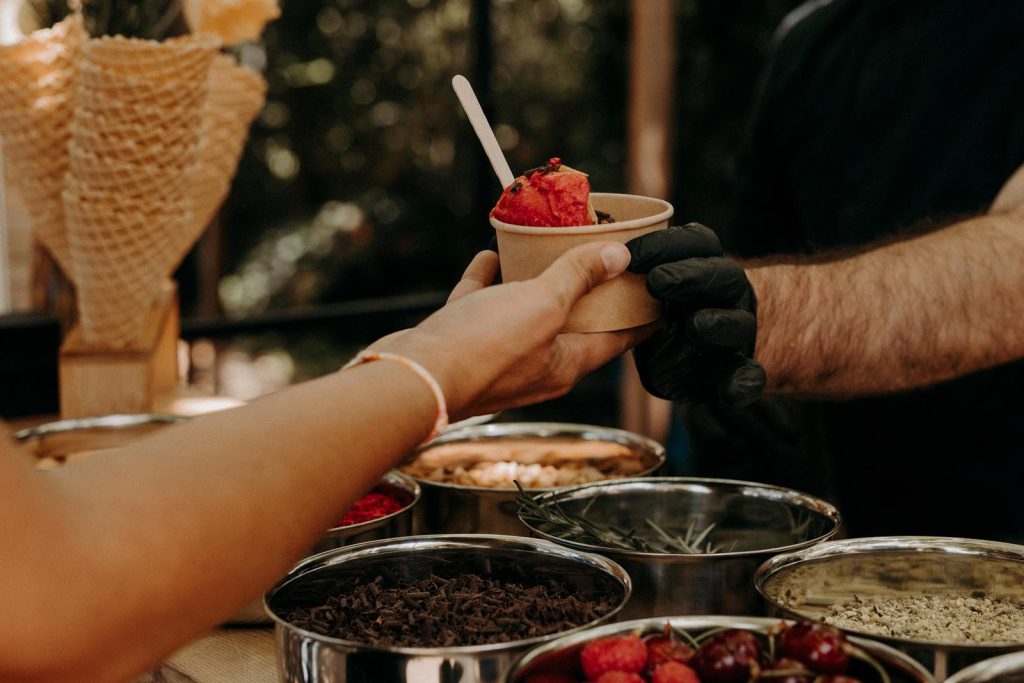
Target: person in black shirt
{"type": "Point", "coordinates": [886, 280]}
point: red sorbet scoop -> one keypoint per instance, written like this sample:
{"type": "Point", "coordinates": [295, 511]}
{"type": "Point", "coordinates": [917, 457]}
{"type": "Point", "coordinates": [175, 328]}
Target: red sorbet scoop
{"type": "Point", "coordinates": [550, 196]}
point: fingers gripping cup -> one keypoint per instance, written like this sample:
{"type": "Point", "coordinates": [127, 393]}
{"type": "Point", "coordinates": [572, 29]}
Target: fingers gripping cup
{"type": "Point", "coordinates": [622, 302]}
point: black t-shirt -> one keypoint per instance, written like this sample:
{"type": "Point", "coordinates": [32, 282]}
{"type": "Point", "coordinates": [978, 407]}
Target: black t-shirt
{"type": "Point", "coordinates": [879, 117]}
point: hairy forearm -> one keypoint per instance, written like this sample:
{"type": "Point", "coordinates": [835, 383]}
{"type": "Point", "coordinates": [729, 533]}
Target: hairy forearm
{"type": "Point", "coordinates": [214, 512]}
{"type": "Point", "coordinates": [903, 315]}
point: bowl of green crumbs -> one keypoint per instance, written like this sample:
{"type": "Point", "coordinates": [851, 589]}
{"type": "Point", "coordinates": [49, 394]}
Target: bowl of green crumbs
{"type": "Point", "coordinates": [949, 602]}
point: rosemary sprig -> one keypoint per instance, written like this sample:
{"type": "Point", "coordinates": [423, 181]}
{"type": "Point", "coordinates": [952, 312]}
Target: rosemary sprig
{"type": "Point", "coordinates": [549, 516]}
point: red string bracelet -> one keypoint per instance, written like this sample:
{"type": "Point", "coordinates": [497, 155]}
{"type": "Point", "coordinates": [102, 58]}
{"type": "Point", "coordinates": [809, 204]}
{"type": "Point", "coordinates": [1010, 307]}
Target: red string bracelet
{"type": "Point", "coordinates": [441, 423]}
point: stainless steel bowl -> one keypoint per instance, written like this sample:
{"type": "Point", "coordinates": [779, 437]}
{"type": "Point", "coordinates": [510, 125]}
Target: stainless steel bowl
{"type": "Point", "coordinates": [1002, 669]}
{"type": "Point", "coordinates": [562, 656]}
{"type": "Point", "coordinates": [809, 582]}
{"type": "Point", "coordinates": [55, 442]}
{"type": "Point", "coordinates": [398, 523]}
{"type": "Point", "coordinates": [309, 657]}
{"type": "Point", "coordinates": [762, 521]}
{"type": "Point", "coordinates": [457, 509]}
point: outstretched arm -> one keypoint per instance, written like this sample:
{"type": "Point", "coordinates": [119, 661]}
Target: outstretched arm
{"type": "Point", "coordinates": [111, 562]}
{"type": "Point", "coordinates": [903, 315]}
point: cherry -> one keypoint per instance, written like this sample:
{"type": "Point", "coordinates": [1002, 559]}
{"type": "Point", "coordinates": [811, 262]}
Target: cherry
{"type": "Point", "coordinates": [728, 657]}
{"type": "Point", "coordinates": [819, 646]}
{"type": "Point", "coordinates": [836, 679]}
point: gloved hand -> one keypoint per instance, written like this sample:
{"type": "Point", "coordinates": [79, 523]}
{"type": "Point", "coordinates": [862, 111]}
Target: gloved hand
{"type": "Point", "coordinates": [704, 353]}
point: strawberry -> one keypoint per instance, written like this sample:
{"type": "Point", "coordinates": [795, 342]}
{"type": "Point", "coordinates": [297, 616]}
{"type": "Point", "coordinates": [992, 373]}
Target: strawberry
{"type": "Point", "coordinates": [674, 672]}
{"type": "Point", "coordinates": [619, 677]}
{"type": "Point", "coordinates": [666, 648]}
{"type": "Point", "coordinates": [626, 654]}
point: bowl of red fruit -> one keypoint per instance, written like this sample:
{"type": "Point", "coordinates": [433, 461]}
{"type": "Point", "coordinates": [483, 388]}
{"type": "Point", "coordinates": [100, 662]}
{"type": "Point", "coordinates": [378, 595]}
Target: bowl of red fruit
{"type": "Point", "coordinates": [716, 649]}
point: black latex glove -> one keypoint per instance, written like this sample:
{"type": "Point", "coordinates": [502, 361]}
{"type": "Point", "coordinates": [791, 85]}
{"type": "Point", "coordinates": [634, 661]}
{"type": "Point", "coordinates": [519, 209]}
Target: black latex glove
{"type": "Point", "coordinates": [704, 353]}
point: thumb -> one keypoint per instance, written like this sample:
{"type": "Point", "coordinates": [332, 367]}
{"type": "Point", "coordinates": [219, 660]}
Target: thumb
{"type": "Point", "coordinates": [582, 268]}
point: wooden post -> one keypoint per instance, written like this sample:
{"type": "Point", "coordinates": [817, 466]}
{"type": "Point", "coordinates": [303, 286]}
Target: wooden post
{"type": "Point", "coordinates": [650, 126]}
{"type": "Point", "coordinates": [97, 381]}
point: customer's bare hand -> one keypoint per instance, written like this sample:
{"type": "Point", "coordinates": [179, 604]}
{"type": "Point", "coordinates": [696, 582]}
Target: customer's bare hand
{"type": "Point", "coordinates": [496, 347]}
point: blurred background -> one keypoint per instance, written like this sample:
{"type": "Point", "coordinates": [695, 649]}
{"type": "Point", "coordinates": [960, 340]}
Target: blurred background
{"type": "Point", "coordinates": [362, 192]}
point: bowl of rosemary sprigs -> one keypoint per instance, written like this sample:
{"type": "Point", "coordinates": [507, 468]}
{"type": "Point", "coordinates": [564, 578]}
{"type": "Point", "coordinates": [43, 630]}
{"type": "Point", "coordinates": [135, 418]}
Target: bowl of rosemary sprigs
{"type": "Point", "coordinates": [690, 545]}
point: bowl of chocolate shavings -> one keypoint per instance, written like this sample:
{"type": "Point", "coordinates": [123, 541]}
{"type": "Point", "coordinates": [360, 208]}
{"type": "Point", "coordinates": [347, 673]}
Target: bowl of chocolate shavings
{"type": "Point", "coordinates": [434, 609]}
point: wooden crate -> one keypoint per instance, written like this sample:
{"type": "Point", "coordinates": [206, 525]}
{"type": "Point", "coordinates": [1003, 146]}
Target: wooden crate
{"type": "Point", "coordinates": [97, 381]}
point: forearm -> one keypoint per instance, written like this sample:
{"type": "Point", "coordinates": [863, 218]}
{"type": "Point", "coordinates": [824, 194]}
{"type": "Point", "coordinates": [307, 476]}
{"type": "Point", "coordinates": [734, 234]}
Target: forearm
{"type": "Point", "coordinates": [121, 557]}
{"type": "Point", "coordinates": [904, 315]}
{"type": "Point", "coordinates": [215, 512]}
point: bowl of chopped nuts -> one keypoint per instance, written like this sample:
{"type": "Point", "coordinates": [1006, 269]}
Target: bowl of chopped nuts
{"type": "Point", "coordinates": [469, 476]}
{"type": "Point", "coordinates": [690, 545]}
{"type": "Point", "coordinates": [949, 602]}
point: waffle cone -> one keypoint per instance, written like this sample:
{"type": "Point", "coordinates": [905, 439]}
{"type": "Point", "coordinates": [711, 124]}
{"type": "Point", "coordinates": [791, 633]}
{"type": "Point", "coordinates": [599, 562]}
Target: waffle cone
{"type": "Point", "coordinates": [37, 79]}
{"type": "Point", "coordinates": [236, 96]}
{"type": "Point", "coordinates": [128, 198]}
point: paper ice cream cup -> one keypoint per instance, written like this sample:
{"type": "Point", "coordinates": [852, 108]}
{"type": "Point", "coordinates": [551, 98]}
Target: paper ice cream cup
{"type": "Point", "coordinates": [620, 303]}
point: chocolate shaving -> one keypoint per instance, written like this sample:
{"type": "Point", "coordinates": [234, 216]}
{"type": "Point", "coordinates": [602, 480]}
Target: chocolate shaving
{"type": "Point", "coordinates": [435, 612]}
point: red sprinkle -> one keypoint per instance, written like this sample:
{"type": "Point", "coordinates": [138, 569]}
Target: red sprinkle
{"type": "Point", "coordinates": [371, 506]}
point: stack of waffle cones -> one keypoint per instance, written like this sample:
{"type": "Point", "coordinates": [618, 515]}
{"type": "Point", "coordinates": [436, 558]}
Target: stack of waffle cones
{"type": "Point", "coordinates": [37, 81]}
{"type": "Point", "coordinates": [152, 132]}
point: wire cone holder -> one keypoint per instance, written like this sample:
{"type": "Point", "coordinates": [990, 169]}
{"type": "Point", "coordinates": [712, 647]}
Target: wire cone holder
{"type": "Point", "coordinates": [133, 152]}
{"type": "Point", "coordinates": [123, 150]}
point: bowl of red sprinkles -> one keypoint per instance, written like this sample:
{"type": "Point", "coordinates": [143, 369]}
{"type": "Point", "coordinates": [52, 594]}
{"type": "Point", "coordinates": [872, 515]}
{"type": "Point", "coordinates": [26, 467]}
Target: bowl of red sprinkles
{"type": "Point", "coordinates": [383, 512]}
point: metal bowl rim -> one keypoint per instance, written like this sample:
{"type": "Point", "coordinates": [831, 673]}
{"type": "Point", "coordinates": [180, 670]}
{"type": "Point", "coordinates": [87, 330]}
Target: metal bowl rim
{"type": "Point", "coordinates": [114, 421]}
{"type": "Point", "coordinates": [404, 482]}
{"type": "Point", "coordinates": [806, 500]}
{"type": "Point", "coordinates": [922, 545]}
{"type": "Point", "coordinates": [511, 430]}
{"type": "Point", "coordinates": [691, 622]}
{"type": "Point", "coordinates": [449, 541]}
{"type": "Point", "coordinates": [989, 669]}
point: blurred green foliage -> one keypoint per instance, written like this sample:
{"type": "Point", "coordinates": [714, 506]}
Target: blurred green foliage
{"type": "Point", "coordinates": [361, 126]}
